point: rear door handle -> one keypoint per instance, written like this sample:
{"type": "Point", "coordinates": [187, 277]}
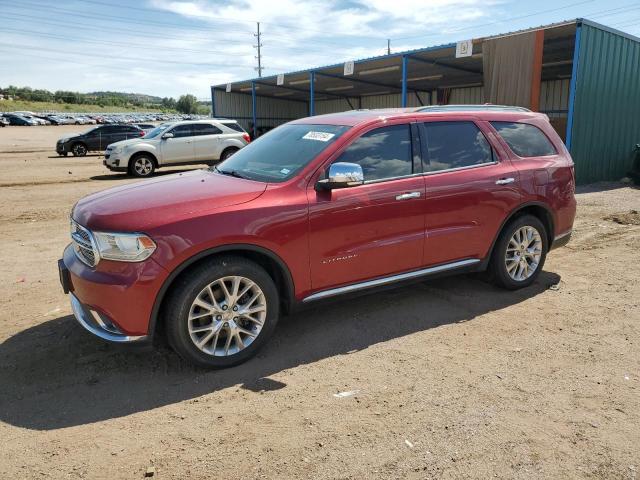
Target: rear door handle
{"type": "Point", "coordinates": [505, 181]}
{"type": "Point", "coordinates": [408, 196]}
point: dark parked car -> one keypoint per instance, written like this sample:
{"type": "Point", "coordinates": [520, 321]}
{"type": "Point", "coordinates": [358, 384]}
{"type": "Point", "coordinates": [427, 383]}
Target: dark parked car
{"type": "Point", "coordinates": [96, 139]}
{"type": "Point", "coordinates": [3, 121]}
{"type": "Point", "coordinates": [20, 120]}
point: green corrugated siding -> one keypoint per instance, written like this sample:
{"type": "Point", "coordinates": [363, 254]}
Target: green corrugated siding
{"type": "Point", "coordinates": [606, 117]}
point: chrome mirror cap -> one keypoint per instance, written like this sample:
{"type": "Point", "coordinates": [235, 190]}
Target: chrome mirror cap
{"type": "Point", "coordinates": [342, 175]}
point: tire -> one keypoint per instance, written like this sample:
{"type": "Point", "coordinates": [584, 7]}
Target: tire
{"type": "Point", "coordinates": [79, 149]}
{"type": "Point", "coordinates": [142, 166]}
{"type": "Point", "coordinates": [519, 254]}
{"type": "Point", "coordinates": [220, 348]}
{"type": "Point", "coordinates": [228, 152]}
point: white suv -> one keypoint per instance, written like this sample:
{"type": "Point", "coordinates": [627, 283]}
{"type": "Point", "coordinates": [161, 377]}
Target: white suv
{"type": "Point", "coordinates": [176, 143]}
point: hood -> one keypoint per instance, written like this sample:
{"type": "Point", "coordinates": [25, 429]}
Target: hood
{"type": "Point", "coordinates": [125, 143]}
{"type": "Point", "coordinates": [143, 206]}
{"type": "Point", "coordinates": [67, 137]}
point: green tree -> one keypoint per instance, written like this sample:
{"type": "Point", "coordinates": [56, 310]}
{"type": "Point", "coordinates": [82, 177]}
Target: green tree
{"type": "Point", "coordinates": [168, 102]}
{"type": "Point", "coordinates": [187, 104]}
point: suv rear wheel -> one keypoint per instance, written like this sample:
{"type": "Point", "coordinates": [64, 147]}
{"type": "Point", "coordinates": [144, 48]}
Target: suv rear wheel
{"type": "Point", "coordinates": [519, 253]}
{"type": "Point", "coordinates": [228, 152]}
{"type": "Point", "coordinates": [142, 166]}
{"type": "Point", "coordinates": [79, 149]}
{"type": "Point", "coordinates": [222, 312]}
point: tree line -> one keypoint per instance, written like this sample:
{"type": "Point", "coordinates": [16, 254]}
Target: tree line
{"type": "Point", "coordinates": [185, 104]}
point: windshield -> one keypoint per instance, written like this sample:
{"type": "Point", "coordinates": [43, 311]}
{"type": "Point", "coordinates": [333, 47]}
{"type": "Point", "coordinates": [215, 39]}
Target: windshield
{"type": "Point", "coordinates": [86, 132]}
{"type": "Point", "coordinates": [157, 131]}
{"type": "Point", "coordinates": [281, 153]}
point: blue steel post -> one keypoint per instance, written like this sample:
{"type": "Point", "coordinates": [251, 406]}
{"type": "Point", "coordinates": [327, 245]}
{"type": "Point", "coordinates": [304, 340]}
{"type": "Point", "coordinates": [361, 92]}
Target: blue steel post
{"type": "Point", "coordinates": [254, 117]}
{"type": "Point", "coordinates": [312, 109]}
{"type": "Point", "coordinates": [572, 86]}
{"type": "Point", "coordinates": [404, 80]}
{"type": "Point", "coordinates": [213, 102]}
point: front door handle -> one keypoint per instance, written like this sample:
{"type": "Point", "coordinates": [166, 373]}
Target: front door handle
{"type": "Point", "coordinates": [505, 181]}
{"type": "Point", "coordinates": [408, 196]}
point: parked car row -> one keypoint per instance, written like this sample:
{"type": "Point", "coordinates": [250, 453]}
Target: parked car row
{"type": "Point", "coordinates": [25, 118]}
{"type": "Point", "coordinates": [318, 208]}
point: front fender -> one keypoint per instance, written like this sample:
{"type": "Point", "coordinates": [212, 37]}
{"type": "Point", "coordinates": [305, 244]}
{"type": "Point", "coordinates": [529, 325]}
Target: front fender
{"type": "Point", "coordinates": [144, 148]}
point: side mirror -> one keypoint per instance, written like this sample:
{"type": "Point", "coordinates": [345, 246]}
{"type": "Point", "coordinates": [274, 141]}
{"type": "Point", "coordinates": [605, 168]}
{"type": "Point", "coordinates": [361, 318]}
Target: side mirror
{"type": "Point", "coordinates": [342, 175]}
{"type": "Point", "coordinates": [167, 135]}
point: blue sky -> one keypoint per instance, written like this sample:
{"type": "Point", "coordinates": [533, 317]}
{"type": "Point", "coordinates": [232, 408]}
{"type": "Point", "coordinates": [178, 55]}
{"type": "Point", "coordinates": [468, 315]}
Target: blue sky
{"type": "Point", "coordinates": [168, 48]}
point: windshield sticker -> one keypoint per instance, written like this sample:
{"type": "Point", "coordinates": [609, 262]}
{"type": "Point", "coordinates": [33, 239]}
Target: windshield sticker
{"type": "Point", "coordinates": [319, 136]}
{"type": "Point", "coordinates": [285, 171]}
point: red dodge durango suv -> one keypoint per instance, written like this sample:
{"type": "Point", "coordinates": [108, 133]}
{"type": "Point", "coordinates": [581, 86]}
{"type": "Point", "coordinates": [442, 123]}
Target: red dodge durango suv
{"type": "Point", "coordinates": [318, 207]}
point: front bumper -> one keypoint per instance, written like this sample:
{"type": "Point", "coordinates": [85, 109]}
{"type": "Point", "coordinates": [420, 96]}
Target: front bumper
{"type": "Point", "coordinates": [113, 162]}
{"type": "Point", "coordinates": [113, 301]}
{"type": "Point", "coordinates": [60, 148]}
{"type": "Point", "coordinates": [100, 326]}
{"type": "Point", "coordinates": [114, 168]}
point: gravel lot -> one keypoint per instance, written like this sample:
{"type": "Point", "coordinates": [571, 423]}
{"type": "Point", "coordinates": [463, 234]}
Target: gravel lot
{"type": "Point", "coordinates": [448, 379]}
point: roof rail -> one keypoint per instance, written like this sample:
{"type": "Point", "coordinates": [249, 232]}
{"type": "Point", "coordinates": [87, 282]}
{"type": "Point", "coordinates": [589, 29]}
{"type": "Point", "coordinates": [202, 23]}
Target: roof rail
{"type": "Point", "coordinates": [472, 108]}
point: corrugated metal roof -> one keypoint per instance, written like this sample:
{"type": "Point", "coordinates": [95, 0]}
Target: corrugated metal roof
{"type": "Point", "coordinates": [416, 51]}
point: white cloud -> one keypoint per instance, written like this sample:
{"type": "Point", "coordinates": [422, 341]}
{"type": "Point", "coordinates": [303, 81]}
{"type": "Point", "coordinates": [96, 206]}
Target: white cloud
{"type": "Point", "coordinates": [215, 44]}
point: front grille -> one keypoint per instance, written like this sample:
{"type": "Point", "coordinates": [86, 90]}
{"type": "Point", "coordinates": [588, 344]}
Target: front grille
{"type": "Point", "coordinates": [83, 244]}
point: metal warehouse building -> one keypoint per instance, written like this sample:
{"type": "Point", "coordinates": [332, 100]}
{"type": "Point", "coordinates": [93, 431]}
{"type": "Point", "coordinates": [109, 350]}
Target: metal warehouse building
{"type": "Point", "coordinates": [583, 75]}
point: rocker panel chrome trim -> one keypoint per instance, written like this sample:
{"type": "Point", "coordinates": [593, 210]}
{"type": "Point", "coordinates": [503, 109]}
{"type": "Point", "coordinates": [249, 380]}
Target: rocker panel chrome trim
{"type": "Point", "coordinates": [391, 279]}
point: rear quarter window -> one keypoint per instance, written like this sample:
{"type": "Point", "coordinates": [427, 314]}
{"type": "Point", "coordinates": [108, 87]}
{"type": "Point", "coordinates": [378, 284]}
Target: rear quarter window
{"type": "Point", "coordinates": [234, 126]}
{"type": "Point", "coordinates": [525, 140]}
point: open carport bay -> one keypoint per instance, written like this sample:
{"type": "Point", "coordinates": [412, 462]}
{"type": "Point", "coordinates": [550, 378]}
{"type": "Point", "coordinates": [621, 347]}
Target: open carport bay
{"type": "Point", "coordinates": [449, 379]}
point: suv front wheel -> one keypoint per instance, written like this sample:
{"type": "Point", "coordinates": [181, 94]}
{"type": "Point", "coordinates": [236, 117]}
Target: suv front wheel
{"type": "Point", "coordinates": [221, 312]}
{"type": "Point", "coordinates": [519, 253]}
{"type": "Point", "coordinates": [142, 166]}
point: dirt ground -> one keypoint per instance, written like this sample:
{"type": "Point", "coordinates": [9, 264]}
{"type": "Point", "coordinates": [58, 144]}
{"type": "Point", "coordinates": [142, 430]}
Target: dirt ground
{"type": "Point", "coordinates": [451, 378]}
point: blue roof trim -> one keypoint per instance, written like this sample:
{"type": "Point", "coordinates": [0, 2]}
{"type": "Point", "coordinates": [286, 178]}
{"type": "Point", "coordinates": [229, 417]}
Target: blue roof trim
{"type": "Point", "coordinates": [591, 23]}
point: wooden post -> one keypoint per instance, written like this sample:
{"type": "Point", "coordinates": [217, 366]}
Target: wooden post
{"type": "Point", "coordinates": [536, 75]}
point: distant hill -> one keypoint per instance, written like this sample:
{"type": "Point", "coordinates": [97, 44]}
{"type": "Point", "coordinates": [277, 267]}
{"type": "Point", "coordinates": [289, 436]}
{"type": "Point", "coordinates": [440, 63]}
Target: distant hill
{"type": "Point", "coordinates": [101, 99]}
{"type": "Point", "coordinates": [132, 97]}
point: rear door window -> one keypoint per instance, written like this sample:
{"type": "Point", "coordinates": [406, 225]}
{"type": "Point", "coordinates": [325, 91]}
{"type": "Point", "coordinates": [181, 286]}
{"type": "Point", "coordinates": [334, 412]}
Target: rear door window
{"type": "Point", "coordinates": [382, 153]}
{"type": "Point", "coordinates": [450, 145]}
{"type": "Point", "coordinates": [205, 129]}
{"type": "Point", "coordinates": [525, 140]}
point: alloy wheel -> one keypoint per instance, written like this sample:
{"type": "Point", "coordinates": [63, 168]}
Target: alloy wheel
{"type": "Point", "coordinates": [523, 254]}
{"type": "Point", "coordinates": [143, 166]}
{"type": "Point", "coordinates": [227, 316]}
{"type": "Point", "coordinates": [79, 150]}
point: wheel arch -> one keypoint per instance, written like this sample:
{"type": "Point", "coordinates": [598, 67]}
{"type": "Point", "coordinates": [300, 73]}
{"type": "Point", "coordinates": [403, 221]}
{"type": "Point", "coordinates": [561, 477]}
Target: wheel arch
{"type": "Point", "coordinates": [270, 261]}
{"type": "Point", "coordinates": [539, 210]}
{"type": "Point", "coordinates": [229, 147]}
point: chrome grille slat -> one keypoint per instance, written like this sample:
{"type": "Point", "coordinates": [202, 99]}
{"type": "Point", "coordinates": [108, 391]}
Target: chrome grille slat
{"type": "Point", "coordinates": [83, 244]}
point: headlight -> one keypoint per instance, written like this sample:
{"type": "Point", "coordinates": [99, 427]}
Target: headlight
{"type": "Point", "coordinates": [116, 149]}
{"type": "Point", "coordinates": [124, 247]}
